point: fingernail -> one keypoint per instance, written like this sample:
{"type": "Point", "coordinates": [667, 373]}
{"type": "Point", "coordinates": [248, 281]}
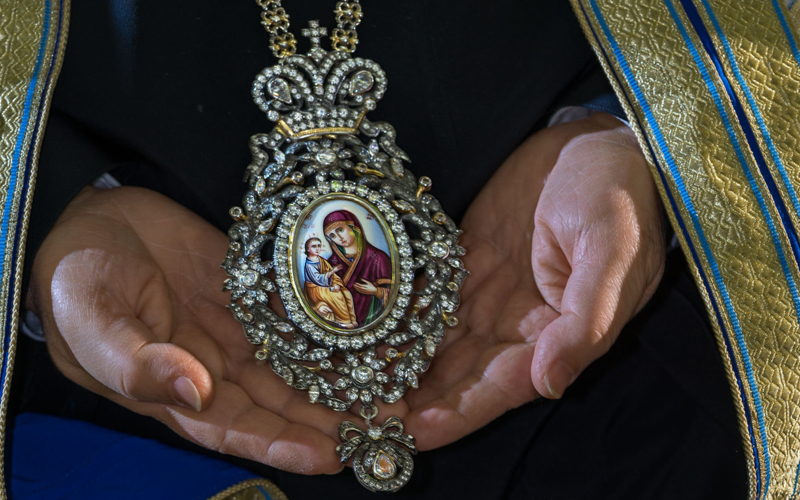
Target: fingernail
{"type": "Point", "coordinates": [186, 393]}
{"type": "Point", "coordinates": [558, 378]}
{"type": "Point", "coordinates": [337, 472]}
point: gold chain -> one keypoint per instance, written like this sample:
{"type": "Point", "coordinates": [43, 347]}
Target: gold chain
{"type": "Point", "coordinates": [283, 43]}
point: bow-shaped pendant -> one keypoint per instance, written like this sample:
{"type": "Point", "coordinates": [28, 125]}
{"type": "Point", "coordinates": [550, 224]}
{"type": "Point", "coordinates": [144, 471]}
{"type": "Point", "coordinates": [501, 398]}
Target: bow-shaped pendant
{"type": "Point", "coordinates": [379, 463]}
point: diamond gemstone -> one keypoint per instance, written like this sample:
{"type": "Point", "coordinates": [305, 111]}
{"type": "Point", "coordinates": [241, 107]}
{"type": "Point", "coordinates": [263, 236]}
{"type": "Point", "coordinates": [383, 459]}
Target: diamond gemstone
{"type": "Point", "coordinates": [283, 328]}
{"type": "Point", "coordinates": [326, 156]}
{"type": "Point", "coordinates": [363, 375]}
{"type": "Point", "coordinates": [313, 394]}
{"type": "Point", "coordinates": [430, 347]}
{"type": "Point", "coordinates": [361, 83]}
{"type": "Point", "coordinates": [438, 250]}
{"type": "Point", "coordinates": [279, 89]}
{"type": "Point", "coordinates": [261, 185]}
{"type": "Point", "coordinates": [375, 433]}
{"type": "Point", "coordinates": [248, 278]}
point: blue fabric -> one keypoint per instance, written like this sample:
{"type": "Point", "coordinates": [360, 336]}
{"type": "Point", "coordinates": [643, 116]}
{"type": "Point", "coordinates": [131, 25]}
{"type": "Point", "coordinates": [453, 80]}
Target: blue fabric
{"type": "Point", "coordinates": [124, 14]}
{"type": "Point", "coordinates": [54, 458]}
{"type": "Point", "coordinates": [608, 103]}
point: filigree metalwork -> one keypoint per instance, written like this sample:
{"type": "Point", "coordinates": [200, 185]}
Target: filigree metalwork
{"type": "Point", "coordinates": [324, 147]}
{"type": "Point", "coordinates": [379, 462]}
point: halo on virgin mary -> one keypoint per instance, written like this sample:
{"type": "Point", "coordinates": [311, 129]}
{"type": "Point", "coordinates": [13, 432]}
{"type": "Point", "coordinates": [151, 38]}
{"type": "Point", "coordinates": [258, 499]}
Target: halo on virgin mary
{"type": "Point", "coordinates": [344, 264]}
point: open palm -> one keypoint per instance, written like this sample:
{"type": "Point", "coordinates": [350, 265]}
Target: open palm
{"type": "Point", "coordinates": [128, 287]}
{"type": "Point", "coordinates": [564, 246]}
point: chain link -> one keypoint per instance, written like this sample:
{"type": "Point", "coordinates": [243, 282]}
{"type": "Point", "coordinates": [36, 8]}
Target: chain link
{"type": "Point", "coordinates": [282, 42]}
{"type": "Point", "coordinates": [368, 412]}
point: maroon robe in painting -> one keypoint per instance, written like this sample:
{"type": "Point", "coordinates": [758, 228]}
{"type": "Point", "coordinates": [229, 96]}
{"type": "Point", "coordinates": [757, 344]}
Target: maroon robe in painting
{"type": "Point", "coordinates": [370, 264]}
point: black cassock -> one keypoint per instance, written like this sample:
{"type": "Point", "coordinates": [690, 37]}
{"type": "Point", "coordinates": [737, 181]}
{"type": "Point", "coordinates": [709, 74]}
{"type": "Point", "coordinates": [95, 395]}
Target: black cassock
{"type": "Point", "coordinates": [157, 92]}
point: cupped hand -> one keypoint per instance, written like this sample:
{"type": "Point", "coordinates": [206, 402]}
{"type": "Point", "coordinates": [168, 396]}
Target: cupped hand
{"type": "Point", "coordinates": [564, 245]}
{"type": "Point", "coordinates": [597, 251]}
{"type": "Point", "coordinates": [128, 287]}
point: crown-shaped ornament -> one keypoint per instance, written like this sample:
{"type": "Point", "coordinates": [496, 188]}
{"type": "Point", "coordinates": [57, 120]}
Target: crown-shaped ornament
{"type": "Point", "coordinates": [320, 93]}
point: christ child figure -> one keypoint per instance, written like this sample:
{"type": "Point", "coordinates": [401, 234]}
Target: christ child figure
{"type": "Point", "coordinates": [324, 289]}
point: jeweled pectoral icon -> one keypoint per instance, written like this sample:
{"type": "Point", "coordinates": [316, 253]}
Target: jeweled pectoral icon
{"type": "Point", "coordinates": [340, 229]}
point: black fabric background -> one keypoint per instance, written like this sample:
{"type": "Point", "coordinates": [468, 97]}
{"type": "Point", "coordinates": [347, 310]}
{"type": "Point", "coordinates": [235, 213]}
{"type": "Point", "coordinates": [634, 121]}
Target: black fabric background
{"type": "Point", "coordinates": [158, 92]}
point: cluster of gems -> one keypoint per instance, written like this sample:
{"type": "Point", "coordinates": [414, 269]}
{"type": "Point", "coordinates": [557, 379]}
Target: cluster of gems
{"type": "Point", "coordinates": [324, 148]}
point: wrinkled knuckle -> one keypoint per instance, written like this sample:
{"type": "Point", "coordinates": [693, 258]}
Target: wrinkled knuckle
{"type": "Point", "coordinates": [130, 382]}
{"type": "Point", "coordinates": [135, 381]}
{"type": "Point", "coordinates": [222, 444]}
{"type": "Point", "coordinates": [600, 338]}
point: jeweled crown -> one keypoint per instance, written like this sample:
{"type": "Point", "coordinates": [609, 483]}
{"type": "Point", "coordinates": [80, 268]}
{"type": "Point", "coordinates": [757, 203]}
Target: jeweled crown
{"type": "Point", "coordinates": [320, 93]}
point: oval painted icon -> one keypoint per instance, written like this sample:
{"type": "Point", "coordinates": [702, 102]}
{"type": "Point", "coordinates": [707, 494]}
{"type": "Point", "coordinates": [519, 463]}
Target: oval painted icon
{"type": "Point", "coordinates": [344, 263]}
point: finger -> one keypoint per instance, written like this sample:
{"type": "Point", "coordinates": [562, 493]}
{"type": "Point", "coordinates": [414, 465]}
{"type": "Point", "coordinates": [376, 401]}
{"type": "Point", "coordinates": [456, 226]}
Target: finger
{"type": "Point", "coordinates": [489, 390]}
{"type": "Point", "coordinates": [551, 268]}
{"type": "Point", "coordinates": [270, 392]}
{"type": "Point", "coordinates": [233, 425]}
{"type": "Point", "coordinates": [595, 305]}
{"type": "Point", "coordinates": [144, 370]}
{"type": "Point", "coordinates": [129, 353]}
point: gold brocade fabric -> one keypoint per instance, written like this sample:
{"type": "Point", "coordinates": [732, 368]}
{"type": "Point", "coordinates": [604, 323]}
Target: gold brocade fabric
{"type": "Point", "coordinates": [32, 38]}
{"type": "Point", "coordinates": [712, 88]}
{"type": "Point", "coordinates": [794, 11]}
{"type": "Point", "coordinates": [252, 489]}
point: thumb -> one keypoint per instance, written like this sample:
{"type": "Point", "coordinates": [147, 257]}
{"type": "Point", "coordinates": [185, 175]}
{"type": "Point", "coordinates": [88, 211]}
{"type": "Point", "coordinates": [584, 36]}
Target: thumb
{"type": "Point", "coordinates": [100, 337]}
{"type": "Point", "coordinates": [600, 296]}
{"type": "Point", "coordinates": [140, 368]}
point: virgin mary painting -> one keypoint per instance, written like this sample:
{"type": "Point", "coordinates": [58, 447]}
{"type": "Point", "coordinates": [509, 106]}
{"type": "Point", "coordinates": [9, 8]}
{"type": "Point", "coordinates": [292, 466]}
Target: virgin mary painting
{"type": "Point", "coordinates": [365, 270]}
